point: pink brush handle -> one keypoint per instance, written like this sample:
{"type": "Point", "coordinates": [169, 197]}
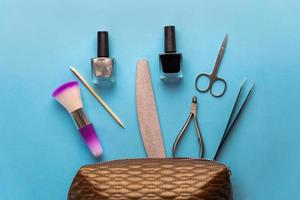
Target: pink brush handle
{"type": "Point", "coordinates": [90, 137]}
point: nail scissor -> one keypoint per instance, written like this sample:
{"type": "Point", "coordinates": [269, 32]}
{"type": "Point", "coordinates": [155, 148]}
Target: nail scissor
{"type": "Point", "coordinates": [193, 113]}
{"type": "Point", "coordinates": [213, 78]}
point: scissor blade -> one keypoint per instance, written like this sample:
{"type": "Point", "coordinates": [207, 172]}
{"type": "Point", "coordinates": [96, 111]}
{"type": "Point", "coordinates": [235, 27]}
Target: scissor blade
{"type": "Point", "coordinates": [220, 54]}
{"type": "Point", "coordinates": [224, 43]}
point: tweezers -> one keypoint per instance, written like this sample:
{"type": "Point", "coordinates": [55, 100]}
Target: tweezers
{"type": "Point", "coordinates": [232, 120]}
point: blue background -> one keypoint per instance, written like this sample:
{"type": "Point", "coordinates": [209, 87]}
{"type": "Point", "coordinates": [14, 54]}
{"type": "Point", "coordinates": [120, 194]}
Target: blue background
{"type": "Point", "coordinates": [40, 149]}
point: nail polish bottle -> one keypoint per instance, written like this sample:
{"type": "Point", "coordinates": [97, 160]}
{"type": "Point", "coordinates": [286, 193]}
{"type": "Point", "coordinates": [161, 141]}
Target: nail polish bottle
{"type": "Point", "coordinates": [103, 69]}
{"type": "Point", "coordinates": [170, 61]}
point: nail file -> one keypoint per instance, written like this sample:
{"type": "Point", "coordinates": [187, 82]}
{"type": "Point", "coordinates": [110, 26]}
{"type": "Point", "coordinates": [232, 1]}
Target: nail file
{"type": "Point", "coordinates": [147, 112]}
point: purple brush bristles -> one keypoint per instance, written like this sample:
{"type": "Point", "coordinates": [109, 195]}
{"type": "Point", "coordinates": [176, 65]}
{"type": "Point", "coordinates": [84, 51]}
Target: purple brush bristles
{"type": "Point", "coordinates": [63, 87]}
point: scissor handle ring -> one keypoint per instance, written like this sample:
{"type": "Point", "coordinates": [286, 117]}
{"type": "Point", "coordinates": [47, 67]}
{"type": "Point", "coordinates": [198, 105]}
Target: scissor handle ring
{"type": "Point", "coordinates": [212, 84]}
{"type": "Point", "coordinates": [197, 79]}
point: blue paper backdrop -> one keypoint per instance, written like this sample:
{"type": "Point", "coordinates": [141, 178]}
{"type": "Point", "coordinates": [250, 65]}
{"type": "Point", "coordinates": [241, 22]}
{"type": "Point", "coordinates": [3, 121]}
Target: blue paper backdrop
{"type": "Point", "coordinates": [40, 149]}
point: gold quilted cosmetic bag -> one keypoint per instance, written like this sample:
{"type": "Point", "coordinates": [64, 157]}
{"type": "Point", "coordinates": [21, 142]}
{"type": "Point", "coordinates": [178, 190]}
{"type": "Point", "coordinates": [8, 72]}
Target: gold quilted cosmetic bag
{"type": "Point", "coordinates": [153, 179]}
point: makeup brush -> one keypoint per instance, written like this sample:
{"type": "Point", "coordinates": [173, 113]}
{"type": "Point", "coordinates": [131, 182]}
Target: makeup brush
{"type": "Point", "coordinates": [68, 95]}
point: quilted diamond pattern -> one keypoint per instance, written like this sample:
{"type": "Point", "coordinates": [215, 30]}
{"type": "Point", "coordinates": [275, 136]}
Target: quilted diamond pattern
{"type": "Point", "coordinates": [152, 179]}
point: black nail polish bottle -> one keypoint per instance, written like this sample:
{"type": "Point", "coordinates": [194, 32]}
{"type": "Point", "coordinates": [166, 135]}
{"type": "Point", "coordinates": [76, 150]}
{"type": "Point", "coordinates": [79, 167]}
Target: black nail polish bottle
{"type": "Point", "coordinates": [170, 61]}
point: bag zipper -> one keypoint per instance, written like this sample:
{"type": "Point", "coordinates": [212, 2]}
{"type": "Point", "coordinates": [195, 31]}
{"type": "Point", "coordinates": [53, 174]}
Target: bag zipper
{"type": "Point", "coordinates": [201, 159]}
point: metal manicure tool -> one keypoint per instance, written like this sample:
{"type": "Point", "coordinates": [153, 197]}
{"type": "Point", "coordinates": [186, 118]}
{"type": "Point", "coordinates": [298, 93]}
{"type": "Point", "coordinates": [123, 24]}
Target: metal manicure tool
{"type": "Point", "coordinates": [193, 113]}
{"type": "Point", "coordinates": [232, 120]}
{"type": "Point", "coordinates": [213, 78]}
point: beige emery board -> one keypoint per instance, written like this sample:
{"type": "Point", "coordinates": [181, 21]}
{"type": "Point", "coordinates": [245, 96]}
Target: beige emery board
{"type": "Point", "coordinates": [147, 112]}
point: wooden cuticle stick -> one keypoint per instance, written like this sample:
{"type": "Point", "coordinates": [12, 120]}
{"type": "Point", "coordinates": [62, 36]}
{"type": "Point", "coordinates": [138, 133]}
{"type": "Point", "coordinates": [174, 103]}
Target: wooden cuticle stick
{"type": "Point", "coordinates": [92, 91]}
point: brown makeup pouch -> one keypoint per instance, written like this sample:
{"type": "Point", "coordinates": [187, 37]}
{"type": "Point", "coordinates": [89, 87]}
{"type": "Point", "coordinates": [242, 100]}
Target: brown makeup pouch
{"type": "Point", "coordinates": [152, 179]}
